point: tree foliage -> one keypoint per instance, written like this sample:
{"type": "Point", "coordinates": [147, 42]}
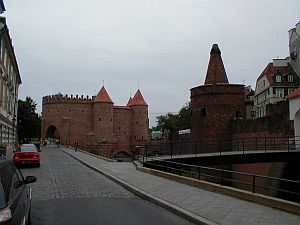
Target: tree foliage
{"type": "Point", "coordinates": [29, 122]}
{"type": "Point", "coordinates": [179, 121]}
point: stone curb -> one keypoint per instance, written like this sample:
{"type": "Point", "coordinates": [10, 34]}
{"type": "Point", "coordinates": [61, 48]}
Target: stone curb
{"type": "Point", "coordinates": [276, 203]}
{"type": "Point", "coordinates": [91, 154]}
{"type": "Point", "coordinates": [151, 198]}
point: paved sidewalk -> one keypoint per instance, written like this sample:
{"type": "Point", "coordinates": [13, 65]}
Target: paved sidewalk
{"type": "Point", "coordinates": [205, 206]}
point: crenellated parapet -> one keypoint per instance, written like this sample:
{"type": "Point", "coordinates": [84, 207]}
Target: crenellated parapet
{"type": "Point", "coordinates": [59, 98]}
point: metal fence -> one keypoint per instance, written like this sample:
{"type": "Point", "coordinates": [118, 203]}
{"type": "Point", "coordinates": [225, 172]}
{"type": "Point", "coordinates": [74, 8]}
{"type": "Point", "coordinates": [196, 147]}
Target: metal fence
{"type": "Point", "coordinates": [241, 145]}
{"type": "Point", "coordinates": [252, 182]}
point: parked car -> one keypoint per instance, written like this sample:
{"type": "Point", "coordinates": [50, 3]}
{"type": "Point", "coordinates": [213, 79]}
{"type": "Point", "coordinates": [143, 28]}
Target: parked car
{"type": "Point", "coordinates": [15, 195]}
{"type": "Point", "coordinates": [27, 154]}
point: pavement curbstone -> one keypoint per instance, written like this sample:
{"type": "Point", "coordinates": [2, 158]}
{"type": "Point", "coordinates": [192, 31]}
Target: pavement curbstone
{"type": "Point", "coordinates": [151, 198]}
{"type": "Point", "coordinates": [276, 203]}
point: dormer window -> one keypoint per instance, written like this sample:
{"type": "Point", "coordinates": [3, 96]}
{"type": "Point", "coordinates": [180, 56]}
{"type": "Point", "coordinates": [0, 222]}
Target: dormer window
{"type": "Point", "coordinates": [290, 78]}
{"type": "Point", "coordinates": [278, 79]}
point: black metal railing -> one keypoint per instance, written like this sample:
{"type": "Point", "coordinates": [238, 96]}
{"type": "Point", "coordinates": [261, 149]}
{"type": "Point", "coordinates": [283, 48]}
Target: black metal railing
{"type": "Point", "coordinates": [252, 182]}
{"type": "Point", "coordinates": [221, 146]}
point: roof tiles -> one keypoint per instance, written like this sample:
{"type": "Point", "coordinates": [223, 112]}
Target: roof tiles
{"type": "Point", "coordinates": [294, 94]}
{"type": "Point", "coordinates": [138, 99]}
{"type": "Point", "coordinates": [103, 96]}
{"type": "Point", "coordinates": [271, 70]}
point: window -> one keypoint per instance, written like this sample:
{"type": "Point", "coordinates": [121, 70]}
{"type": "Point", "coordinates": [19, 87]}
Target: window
{"type": "Point", "coordinates": [238, 114]}
{"type": "Point", "coordinates": [290, 90]}
{"type": "Point", "coordinates": [17, 183]}
{"type": "Point", "coordinates": [290, 78]}
{"type": "Point", "coordinates": [203, 111]}
{"type": "Point", "coordinates": [278, 78]}
{"type": "Point", "coordinates": [280, 92]}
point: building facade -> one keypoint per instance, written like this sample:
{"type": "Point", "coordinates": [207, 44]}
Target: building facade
{"type": "Point", "coordinates": [294, 110]}
{"type": "Point", "coordinates": [277, 80]}
{"type": "Point", "coordinates": [96, 123]}
{"type": "Point", "coordinates": [294, 47]}
{"type": "Point", "coordinates": [9, 85]}
{"type": "Point", "coordinates": [216, 103]}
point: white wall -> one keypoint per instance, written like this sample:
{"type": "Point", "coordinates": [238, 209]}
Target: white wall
{"type": "Point", "coordinates": [294, 104]}
{"type": "Point", "coordinates": [295, 115]}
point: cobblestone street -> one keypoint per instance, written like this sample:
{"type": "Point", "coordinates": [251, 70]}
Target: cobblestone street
{"type": "Point", "coordinates": [66, 192]}
{"type": "Point", "coordinates": [60, 176]}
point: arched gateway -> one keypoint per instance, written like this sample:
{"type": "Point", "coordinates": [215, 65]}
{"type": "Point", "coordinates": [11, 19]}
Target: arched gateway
{"type": "Point", "coordinates": [52, 133]}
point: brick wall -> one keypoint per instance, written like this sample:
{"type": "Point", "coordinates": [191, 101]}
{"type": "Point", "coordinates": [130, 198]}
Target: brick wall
{"type": "Point", "coordinates": [213, 107]}
{"type": "Point", "coordinates": [140, 124]}
{"type": "Point", "coordinates": [99, 127]}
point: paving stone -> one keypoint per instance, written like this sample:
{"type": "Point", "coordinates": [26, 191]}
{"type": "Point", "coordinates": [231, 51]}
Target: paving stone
{"type": "Point", "coordinates": [213, 206]}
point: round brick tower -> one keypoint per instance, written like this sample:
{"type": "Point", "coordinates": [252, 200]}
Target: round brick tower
{"type": "Point", "coordinates": [139, 119]}
{"type": "Point", "coordinates": [103, 116]}
{"type": "Point", "coordinates": [216, 103]}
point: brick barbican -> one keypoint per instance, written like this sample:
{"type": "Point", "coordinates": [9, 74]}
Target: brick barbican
{"type": "Point", "coordinates": [96, 123]}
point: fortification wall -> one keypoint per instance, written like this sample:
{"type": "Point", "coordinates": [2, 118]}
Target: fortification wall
{"type": "Point", "coordinates": [122, 126]}
{"type": "Point", "coordinates": [140, 125]}
{"type": "Point", "coordinates": [59, 98]}
{"type": "Point", "coordinates": [213, 107]}
{"type": "Point", "coordinates": [71, 116]}
{"type": "Point", "coordinates": [103, 122]}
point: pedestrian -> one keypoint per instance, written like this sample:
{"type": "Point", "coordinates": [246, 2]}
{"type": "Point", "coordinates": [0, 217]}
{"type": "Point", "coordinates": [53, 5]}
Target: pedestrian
{"type": "Point", "coordinates": [76, 145]}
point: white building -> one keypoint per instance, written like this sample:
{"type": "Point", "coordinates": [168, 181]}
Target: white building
{"type": "Point", "coordinates": [9, 85]}
{"type": "Point", "coordinates": [278, 80]}
{"type": "Point", "coordinates": [294, 105]}
{"type": "Point", "coordinates": [294, 47]}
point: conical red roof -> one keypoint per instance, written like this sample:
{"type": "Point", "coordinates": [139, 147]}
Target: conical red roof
{"type": "Point", "coordinates": [103, 96]}
{"type": "Point", "coordinates": [138, 99]}
{"type": "Point", "coordinates": [216, 73]}
{"type": "Point", "coordinates": [129, 101]}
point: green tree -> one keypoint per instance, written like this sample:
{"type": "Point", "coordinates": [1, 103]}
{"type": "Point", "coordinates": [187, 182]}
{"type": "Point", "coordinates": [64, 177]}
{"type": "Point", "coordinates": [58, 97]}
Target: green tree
{"type": "Point", "coordinates": [175, 122]}
{"type": "Point", "coordinates": [29, 122]}
{"type": "Point", "coordinates": [184, 117]}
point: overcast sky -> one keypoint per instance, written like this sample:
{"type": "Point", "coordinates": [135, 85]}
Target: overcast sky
{"type": "Point", "coordinates": [71, 46]}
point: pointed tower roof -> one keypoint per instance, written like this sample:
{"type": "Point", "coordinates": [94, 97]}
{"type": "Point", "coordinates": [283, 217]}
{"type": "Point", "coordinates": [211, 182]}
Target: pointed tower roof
{"type": "Point", "coordinates": [129, 101]}
{"type": "Point", "coordinates": [216, 73]}
{"type": "Point", "coordinates": [103, 96]}
{"type": "Point", "coordinates": [138, 99]}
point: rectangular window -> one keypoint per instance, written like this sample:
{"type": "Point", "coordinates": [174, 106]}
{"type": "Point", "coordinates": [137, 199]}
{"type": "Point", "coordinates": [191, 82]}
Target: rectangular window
{"type": "Point", "coordinates": [290, 90]}
{"type": "Point", "coordinates": [278, 78]}
{"type": "Point", "coordinates": [203, 112]}
{"type": "Point", "coordinates": [280, 92]}
{"type": "Point", "coordinates": [290, 78]}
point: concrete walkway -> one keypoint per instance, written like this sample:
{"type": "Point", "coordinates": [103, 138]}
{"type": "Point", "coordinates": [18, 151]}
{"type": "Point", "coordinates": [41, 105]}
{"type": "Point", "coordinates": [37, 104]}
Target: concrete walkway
{"type": "Point", "coordinates": [200, 206]}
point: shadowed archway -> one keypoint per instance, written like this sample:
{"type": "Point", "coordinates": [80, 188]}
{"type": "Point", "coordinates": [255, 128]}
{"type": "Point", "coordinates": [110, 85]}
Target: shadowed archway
{"type": "Point", "coordinates": [52, 132]}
